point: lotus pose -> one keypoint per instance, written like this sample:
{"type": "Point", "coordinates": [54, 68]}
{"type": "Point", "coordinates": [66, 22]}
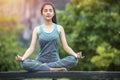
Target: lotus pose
{"type": "Point", "coordinates": [48, 35]}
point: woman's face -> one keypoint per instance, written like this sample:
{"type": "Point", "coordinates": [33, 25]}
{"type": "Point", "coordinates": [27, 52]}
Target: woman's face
{"type": "Point", "coordinates": [48, 12]}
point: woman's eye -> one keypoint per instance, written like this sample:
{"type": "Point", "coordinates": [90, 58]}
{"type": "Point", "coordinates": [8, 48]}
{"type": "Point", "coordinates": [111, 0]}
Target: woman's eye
{"type": "Point", "coordinates": [45, 10]}
{"type": "Point", "coordinates": [50, 10]}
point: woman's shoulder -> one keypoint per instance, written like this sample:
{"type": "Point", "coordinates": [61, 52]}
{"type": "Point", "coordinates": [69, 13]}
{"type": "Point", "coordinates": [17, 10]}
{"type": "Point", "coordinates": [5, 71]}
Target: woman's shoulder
{"type": "Point", "coordinates": [36, 29]}
{"type": "Point", "coordinates": [59, 27]}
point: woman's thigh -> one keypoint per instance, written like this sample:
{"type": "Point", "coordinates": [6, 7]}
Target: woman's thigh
{"type": "Point", "coordinates": [67, 62]}
{"type": "Point", "coordinates": [34, 65]}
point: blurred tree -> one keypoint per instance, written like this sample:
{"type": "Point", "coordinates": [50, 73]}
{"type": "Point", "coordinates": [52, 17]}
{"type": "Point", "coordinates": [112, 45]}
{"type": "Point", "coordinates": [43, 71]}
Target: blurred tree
{"type": "Point", "coordinates": [9, 48]}
{"type": "Point", "coordinates": [93, 27]}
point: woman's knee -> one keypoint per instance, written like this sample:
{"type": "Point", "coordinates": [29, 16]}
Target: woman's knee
{"type": "Point", "coordinates": [32, 65]}
{"type": "Point", "coordinates": [73, 59]}
{"type": "Point", "coordinates": [24, 64]}
{"type": "Point", "coordinates": [27, 65]}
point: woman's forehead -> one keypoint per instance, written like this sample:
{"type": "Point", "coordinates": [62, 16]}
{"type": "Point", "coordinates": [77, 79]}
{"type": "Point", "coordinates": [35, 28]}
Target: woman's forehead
{"type": "Point", "coordinates": [48, 7]}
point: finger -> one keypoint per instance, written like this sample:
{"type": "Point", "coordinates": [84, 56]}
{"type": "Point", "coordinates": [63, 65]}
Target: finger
{"type": "Point", "coordinates": [80, 52]}
{"type": "Point", "coordinates": [83, 57]}
{"type": "Point", "coordinates": [16, 57]}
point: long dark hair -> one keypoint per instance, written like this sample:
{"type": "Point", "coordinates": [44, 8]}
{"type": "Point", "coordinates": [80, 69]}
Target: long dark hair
{"type": "Point", "coordinates": [54, 20]}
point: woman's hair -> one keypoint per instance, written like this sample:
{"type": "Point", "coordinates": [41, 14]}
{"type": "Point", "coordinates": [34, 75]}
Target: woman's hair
{"type": "Point", "coordinates": [49, 3]}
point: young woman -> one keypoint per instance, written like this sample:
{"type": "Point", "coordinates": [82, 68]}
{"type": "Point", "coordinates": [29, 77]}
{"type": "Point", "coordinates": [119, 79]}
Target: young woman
{"type": "Point", "coordinates": [48, 35]}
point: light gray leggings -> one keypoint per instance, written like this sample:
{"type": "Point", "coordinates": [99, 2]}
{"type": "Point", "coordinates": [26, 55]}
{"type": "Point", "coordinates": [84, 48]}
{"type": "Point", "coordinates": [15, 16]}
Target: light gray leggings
{"type": "Point", "coordinates": [35, 65]}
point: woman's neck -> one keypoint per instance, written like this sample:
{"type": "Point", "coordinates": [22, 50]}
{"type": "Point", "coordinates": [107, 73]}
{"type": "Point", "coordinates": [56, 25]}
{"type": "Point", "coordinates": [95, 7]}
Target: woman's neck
{"type": "Point", "coordinates": [48, 23]}
{"type": "Point", "coordinates": [48, 26]}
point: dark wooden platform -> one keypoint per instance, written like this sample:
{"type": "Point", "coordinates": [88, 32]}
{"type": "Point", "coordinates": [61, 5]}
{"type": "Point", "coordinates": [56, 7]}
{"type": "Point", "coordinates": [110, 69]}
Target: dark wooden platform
{"type": "Point", "coordinates": [55, 75]}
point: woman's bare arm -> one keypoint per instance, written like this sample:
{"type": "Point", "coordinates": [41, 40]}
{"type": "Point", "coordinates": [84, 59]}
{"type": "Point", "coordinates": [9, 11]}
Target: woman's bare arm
{"type": "Point", "coordinates": [31, 48]}
{"type": "Point", "coordinates": [66, 46]}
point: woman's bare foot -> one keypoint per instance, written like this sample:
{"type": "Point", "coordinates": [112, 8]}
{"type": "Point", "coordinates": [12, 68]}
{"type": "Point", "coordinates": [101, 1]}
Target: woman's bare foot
{"type": "Point", "coordinates": [58, 69]}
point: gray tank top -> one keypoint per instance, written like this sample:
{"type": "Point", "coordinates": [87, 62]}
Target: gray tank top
{"type": "Point", "coordinates": [48, 45]}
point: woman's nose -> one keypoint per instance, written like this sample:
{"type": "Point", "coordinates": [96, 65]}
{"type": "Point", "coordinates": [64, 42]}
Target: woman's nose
{"type": "Point", "coordinates": [48, 11]}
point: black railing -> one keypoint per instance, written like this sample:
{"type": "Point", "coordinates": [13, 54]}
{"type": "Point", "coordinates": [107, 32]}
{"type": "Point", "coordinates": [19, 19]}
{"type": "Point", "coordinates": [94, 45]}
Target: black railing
{"type": "Point", "coordinates": [67, 74]}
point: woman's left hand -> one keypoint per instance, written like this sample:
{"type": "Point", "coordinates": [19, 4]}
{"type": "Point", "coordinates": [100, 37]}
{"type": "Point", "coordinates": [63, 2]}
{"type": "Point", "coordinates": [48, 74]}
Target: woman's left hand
{"type": "Point", "coordinates": [79, 55]}
{"type": "Point", "coordinates": [18, 58]}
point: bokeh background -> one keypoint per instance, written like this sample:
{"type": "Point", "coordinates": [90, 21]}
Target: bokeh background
{"type": "Point", "coordinates": [91, 26]}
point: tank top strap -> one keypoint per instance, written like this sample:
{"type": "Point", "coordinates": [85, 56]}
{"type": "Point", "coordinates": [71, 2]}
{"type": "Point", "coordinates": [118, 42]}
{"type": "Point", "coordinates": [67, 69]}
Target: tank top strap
{"type": "Point", "coordinates": [56, 28]}
{"type": "Point", "coordinates": [55, 25]}
{"type": "Point", "coordinates": [40, 29]}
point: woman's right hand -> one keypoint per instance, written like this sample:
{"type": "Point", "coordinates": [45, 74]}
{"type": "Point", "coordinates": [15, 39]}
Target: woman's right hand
{"type": "Point", "coordinates": [18, 58]}
{"type": "Point", "coordinates": [79, 55]}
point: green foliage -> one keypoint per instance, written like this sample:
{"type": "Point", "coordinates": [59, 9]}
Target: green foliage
{"type": "Point", "coordinates": [105, 55]}
{"type": "Point", "coordinates": [9, 47]}
{"type": "Point", "coordinates": [93, 26]}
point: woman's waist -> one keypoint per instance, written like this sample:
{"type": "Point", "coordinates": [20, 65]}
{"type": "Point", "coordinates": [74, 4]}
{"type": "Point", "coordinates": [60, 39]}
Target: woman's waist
{"type": "Point", "coordinates": [47, 59]}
